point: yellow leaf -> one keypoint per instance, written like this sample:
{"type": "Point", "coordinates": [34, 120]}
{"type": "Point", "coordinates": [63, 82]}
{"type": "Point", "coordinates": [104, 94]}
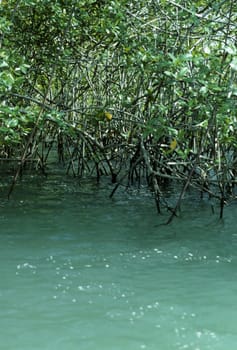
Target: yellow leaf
{"type": "Point", "coordinates": [108, 116]}
{"type": "Point", "coordinates": [173, 144]}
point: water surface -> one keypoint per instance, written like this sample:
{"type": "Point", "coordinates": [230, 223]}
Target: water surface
{"type": "Point", "coordinates": [81, 271]}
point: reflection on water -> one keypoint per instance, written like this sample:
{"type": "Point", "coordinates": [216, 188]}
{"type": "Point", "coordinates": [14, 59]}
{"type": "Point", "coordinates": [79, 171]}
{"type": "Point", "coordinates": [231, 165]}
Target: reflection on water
{"type": "Point", "coordinates": [82, 271]}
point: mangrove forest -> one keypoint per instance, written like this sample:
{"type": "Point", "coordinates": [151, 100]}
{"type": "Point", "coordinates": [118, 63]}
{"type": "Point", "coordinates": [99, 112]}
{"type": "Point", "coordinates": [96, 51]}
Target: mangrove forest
{"type": "Point", "coordinates": [141, 92]}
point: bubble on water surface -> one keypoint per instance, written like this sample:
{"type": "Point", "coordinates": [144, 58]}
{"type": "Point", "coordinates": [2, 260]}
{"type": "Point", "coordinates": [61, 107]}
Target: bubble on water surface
{"type": "Point", "coordinates": [81, 288]}
{"type": "Point", "coordinates": [25, 265]}
{"type": "Point", "coordinates": [158, 251]}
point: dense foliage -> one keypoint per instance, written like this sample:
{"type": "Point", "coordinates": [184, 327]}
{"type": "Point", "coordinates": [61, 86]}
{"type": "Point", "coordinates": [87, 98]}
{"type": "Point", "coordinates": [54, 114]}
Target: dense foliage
{"type": "Point", "coordinates": [132, 89]}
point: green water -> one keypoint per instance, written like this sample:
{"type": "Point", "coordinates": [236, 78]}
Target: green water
{"type": "Point", "coordinates": [81, 271]}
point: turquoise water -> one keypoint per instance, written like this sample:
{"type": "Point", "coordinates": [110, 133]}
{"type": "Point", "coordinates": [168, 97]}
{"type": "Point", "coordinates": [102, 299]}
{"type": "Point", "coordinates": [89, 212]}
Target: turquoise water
{"type": "Point", "coordinates": [81, 271]}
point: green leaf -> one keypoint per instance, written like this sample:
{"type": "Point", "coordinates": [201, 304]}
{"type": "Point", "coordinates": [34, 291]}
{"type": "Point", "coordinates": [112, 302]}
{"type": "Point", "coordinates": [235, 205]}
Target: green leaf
{"type": "Point", "coordinates": [12, 123]}
{"type": "Point", "coordinates": [4, 64]}
{"type": "Point", "coordinates": [233, 64]}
